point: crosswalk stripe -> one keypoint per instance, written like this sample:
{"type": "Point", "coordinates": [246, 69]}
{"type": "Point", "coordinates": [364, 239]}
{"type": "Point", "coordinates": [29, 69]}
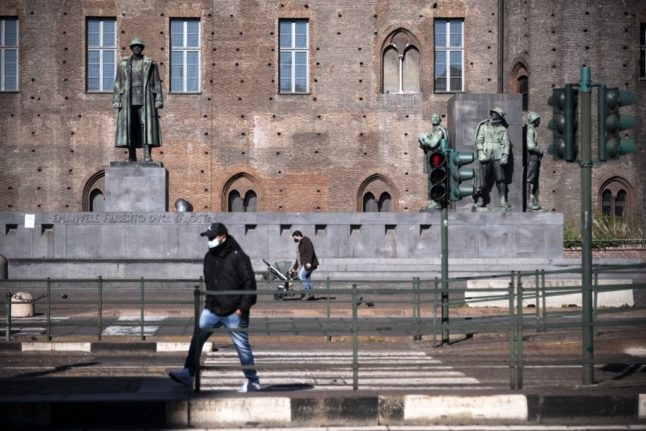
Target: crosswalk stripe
{"type": "Point", "coordinates": [333, 370]}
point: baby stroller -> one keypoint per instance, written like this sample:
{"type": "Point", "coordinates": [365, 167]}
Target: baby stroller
{"type": "Point", "coordinates": [280, 271]}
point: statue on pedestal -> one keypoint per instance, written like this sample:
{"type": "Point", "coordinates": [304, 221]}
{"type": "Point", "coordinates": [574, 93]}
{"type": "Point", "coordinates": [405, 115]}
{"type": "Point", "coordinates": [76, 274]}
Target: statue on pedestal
{"type": "Point", "coordinates": [534, 156]}
{"type": "Point", "coordinates": [492, 153]}
{"type": "Point", "coordinates": [137, 96]}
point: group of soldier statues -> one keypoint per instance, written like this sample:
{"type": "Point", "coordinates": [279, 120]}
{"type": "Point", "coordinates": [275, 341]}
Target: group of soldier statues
{"type": "Point", "coordinates": [138, 95]}
{"type": "Point", "coordinates": [492, 156]}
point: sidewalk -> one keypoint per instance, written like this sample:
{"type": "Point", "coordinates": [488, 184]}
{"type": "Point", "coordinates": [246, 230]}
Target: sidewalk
{"type": "Point", "coordinates": [148, 399]}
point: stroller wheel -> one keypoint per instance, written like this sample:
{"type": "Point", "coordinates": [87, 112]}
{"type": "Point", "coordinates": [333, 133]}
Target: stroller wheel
{"type": "Point", "coordinates": [279, 296]}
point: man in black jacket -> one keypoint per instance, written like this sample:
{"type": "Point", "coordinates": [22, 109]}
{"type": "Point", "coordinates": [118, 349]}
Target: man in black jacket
{"type": "Point", "coordinates": [226, 268]}
{"type": "Point", "coordinates": [306, 259]}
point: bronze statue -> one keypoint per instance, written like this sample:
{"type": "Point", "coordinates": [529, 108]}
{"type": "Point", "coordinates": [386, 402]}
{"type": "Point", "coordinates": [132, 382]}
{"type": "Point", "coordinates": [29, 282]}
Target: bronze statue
{"type": "Point", "coordinates": [430, 142]}
{"type": "Point", "coordinates": [492, 152]}
{"type": "Point", "coordinates": [137, 95]}
{"type": "Point", "coordinates": [534, 156]}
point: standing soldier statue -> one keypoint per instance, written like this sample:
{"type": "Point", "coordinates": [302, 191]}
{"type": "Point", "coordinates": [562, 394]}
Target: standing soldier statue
{"type": "Point", "coordinates": [430, 142]}
{"type": "Point", "coordinates": [492, 152]}
{"type": "Point", "coordinates": [137, 95]}
{"type": "Point", "coordinates": [534, 156]}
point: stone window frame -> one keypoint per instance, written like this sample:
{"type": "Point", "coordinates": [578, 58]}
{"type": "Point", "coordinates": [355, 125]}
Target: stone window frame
{"type": "Point", "coordinates": [446, 51]}
{"type": "Point", "coordinates": [240, 194]}
{"type": "Point", "coordinates": [616, 199]}
{"type": "Point", "coordinates": [373, 186]}
{"type": "Point", "coordinates": [292, 51]}
{"type": "Point", "coordinates": [103, 48]}
{"type": "Point", "coordinates": [403, 44]}
{"type": "Point", "coordinates": [5, 49]}
{"type": "Point", "coordinates": [180, 78]}
{"type": "Point", "coordinates": [94, 186]}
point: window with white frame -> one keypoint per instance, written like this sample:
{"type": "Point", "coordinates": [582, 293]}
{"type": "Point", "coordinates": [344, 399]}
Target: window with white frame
{"type": "Point", "coordinates": [294, 56]}
{"type": "Point", "coordinates": [185, 56]}
{"type": "Point", "coordinates": [8, 54]}
{"type": "Point", "coordinates": [449, 55]}
{"type": "Point", "coordinates": [101, 54]}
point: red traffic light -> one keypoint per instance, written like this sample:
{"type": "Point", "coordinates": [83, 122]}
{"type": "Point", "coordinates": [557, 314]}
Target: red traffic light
{"type": "Point", "coordinates": [437, 159]}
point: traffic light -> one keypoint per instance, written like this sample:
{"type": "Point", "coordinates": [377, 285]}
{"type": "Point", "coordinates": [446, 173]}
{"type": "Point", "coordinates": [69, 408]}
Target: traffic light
{"type": "Point", "coordinates": [438, 177]}
{"type": "Point", "coordinates": [456, 189]}
{"type": "Point", "coordinates": [563, 123]}
{"type": "Point", "coordinates": [611, 123]}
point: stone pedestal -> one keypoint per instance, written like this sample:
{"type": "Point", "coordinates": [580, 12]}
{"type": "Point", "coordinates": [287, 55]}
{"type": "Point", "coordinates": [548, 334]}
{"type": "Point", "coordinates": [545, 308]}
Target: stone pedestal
{"type": "Point", "coordinates": [136, 187]}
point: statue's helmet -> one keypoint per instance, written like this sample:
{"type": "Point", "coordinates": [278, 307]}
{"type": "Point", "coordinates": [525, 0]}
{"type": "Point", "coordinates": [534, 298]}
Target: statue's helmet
{"type": "Point", "coordinates": [498, 111]}
{"type": "Point", "coordinates": [182, 206]}
{"type": "Point", "coordinates": [532, 116]}
{"type": "Point", "coordinates": [137, 41]}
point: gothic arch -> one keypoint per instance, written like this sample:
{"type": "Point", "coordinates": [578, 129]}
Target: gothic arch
{"type": "Point", "coordinates": [93, 198]}
{"type": "Point", "coordinates": [401, 63]}
{"type": "Point", "coordinates": [519, 82]}
{"type": "Point", "coordinates": [377, 194]}
{"type": "Point", "coordinates": [240, 194]}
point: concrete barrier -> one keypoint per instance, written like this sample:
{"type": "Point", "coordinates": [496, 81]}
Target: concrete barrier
{"type": "Point", "coordinates": [559, 293]}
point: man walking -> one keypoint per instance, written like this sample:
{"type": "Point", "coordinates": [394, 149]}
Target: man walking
{"type": "Point", "coordinates": [306, 260]}
{"type": "Point", "coordinates": [226, 268]}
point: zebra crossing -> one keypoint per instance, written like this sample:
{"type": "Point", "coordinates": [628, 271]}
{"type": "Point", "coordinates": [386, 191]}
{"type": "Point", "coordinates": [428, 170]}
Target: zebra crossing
{"type": "Point", "coordinates": [332, 370]}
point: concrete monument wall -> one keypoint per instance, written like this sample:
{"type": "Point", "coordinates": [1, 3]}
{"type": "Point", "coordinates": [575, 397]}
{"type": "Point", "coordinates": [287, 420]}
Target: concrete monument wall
{"type": "Point", "coordinates": [169, 244]}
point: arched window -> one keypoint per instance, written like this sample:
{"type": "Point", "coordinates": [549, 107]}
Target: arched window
{"type": "Point", "coordinates": [250, 201]}
{"type": "Point", "coordinates": [401, 63]}
{"type": "Point", "coordinates": [385, 204]}
{"type": "Point", "coordinates": [93, 199]}
{"type": "Point", "coordinates": [519, 83]}
{"type": "Point", "coordinates": [239, 194]}
{"type": "Point", "coordinates": [373, 186]}
{"type": "Point", "coordinates": [235, 202]}
{"type": "Point", "coordinates": [615, 198]}
{"type": "Point", "coordinates": [369, 203]}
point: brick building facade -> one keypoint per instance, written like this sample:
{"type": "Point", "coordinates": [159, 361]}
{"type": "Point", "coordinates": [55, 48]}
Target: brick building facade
{"type": "Point", "coordinates": [344, 138]}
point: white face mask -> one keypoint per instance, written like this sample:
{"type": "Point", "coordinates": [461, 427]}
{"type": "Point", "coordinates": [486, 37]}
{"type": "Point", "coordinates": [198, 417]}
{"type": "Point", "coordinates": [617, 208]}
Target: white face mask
{"type": "Point", "coordinates": [214, 243]}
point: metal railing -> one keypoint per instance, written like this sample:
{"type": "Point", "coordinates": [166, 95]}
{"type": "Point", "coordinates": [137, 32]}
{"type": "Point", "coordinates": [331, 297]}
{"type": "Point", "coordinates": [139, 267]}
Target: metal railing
{"type": "Point", "coordinates": [524, 302]}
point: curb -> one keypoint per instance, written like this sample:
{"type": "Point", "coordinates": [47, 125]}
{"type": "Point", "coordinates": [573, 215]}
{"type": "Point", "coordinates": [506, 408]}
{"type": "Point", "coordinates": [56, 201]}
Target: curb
{"type": "Point", "coordinates": [321, 409]}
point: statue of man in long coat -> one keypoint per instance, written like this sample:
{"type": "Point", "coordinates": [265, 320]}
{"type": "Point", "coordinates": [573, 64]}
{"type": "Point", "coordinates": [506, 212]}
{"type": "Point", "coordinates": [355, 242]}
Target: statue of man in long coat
{"type": "Point", "coordinates": [137, 95]}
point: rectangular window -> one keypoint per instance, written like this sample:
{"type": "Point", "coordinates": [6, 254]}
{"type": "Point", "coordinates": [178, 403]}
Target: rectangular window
{"type": "Point", "coordinates": [294, 56]}
{"type": "Point", "coordinates": [8, 54]}
{"type": "Point", "coordinates": [642, 51]}
{"type": "Point", "coordinates": [185, 56]}
{"type": "Point", "coordinates": [449, 55]}
{"type": "Point", "coordinates": [101, 54]}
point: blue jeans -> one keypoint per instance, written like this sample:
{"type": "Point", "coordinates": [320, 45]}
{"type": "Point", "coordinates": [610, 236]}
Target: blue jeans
{"type": "Point", "coordinates": [240, 340]}
{"type": "Point", "coordinates": [304, 276]}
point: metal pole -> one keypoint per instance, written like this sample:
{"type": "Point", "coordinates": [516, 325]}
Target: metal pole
{"type": "Point", "coordinates": [7, 333]}
{"type": "Point", "coordinates": [355, 340]}
{"type": "Point", "coordinates": [445, 273]}
{"type": "Point", "coordinates": [586, 224]}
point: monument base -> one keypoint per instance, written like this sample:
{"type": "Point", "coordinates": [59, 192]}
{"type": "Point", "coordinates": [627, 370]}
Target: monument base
{"type": "Point", "coordinates": [136, 187]}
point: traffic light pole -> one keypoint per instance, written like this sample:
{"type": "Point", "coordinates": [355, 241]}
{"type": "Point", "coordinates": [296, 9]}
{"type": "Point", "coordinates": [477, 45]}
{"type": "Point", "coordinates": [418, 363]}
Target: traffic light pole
{"type": "Point", "coordinates": [585, 88]}
{"type": "Point", "coordinates": [444, 233]}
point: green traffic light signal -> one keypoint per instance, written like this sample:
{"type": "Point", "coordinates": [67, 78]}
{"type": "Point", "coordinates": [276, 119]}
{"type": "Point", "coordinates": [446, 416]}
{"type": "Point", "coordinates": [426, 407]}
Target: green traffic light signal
{"type": "Point", "coordinates": [563, 123]}
{"type": "Point", "coordinates": [457, 190]}
{"type": "Point", "coordinates": [611, 123]}
{"type": "Point", "coordinates": [438, 177]}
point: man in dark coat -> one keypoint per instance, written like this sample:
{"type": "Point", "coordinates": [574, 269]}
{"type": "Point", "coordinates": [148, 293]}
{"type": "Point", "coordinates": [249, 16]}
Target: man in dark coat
{"type": "Point", "coordinates": [306, 260]}
{"type": "Point", "coordinates": [137, 95]}
{"type": "Point", "coordinates": [226, 268]}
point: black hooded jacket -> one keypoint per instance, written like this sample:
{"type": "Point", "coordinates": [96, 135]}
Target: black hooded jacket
{"type": "Point", "coordinates": [227, 268]}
